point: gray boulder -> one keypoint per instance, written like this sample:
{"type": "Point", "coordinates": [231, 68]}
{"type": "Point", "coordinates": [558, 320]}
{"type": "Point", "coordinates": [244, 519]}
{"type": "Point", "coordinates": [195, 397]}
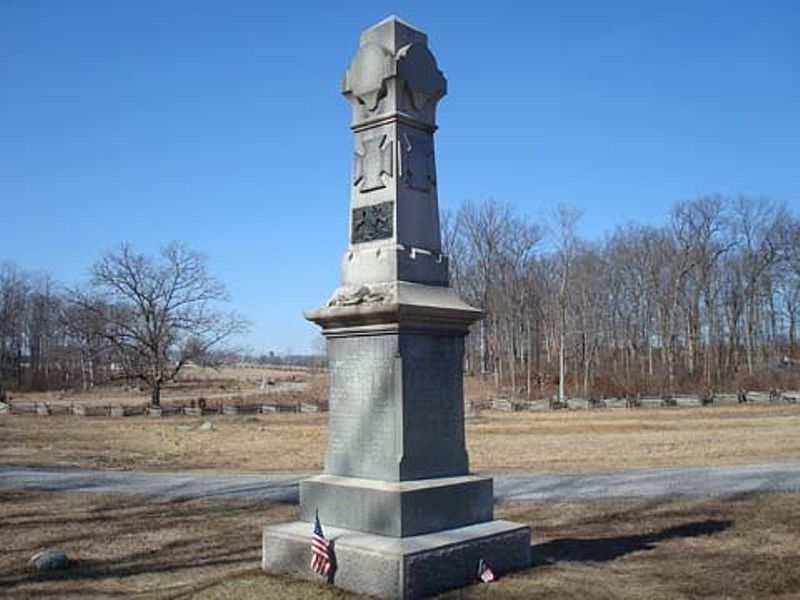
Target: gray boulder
{"type": "Point", "coordinates": [49, 560]}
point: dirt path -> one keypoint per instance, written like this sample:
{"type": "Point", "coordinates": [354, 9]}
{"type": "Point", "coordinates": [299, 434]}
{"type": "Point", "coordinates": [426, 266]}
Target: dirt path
{"type": "Point", "coordinates": [640, 483]}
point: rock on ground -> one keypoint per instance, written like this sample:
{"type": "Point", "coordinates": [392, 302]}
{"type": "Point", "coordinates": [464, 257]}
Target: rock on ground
{"type": "Point", "coordinates": [49, 560]}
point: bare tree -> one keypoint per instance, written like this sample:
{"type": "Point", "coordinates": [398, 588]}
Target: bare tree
{"type": "Point", "coordinates": [483, 228]}
{"type": "Point", "coordinates": [13, 299]}
{"type": "Point", "coordinates": [86, 328]}
{"type": "Point", "coordinates": [565, 219]}
{"type": "Point", "coordinates": [156, 315]}
{"type": "Point", "coordinates": [651, 308]}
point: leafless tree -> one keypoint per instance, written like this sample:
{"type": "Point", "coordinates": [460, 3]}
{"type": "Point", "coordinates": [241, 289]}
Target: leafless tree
{"type": "Point", "coordinates": [14, 290]}
{"type": "Point", "coordinates": [157, 315]}
{"type": "Point", "coordinates": [650, 308]}
{"type": "Point", "coordinates": [708, 300]}
{"type": "Point", "coordinates": [565, 220]}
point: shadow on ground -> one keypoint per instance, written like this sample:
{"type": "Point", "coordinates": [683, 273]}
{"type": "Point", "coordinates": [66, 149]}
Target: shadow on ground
{"type": "Point", "coordinates": [126, 546]}
{"type": "Point", "coordinates": [610, 548]}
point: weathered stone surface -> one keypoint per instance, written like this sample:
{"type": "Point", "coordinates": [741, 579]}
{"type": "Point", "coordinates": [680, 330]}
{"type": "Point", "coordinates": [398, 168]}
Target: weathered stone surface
{"type": "Point", "coordinates": [791, 396]}
{"type": "Point", "coordinates": [502, 404]}
{"type": "Point", "coordinates": [538, 405]}
{"type": "Point", "coordinates": [578, 403]}
{"type": "Point", "coordinates": [396, 463]}
{"type": "Point", "coordinates": [410, 567]}
{"type": "Point", "coordinates": [393, 85]}
{"type": "Point", "coordinates": [397, 509]}
{"type": "Point", "coordinates": [687, 400]}
{"type": "Point", "coordinates": [396, 407]}
{"type": "Point", "coordinates": [49, 560]}
{"type": "Point", "coordinates": [394, 306]}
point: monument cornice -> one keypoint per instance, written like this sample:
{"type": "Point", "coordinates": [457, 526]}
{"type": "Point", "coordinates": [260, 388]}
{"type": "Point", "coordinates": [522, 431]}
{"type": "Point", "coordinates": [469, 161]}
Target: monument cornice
{"type": "Point", "coordinates": [397, 306]}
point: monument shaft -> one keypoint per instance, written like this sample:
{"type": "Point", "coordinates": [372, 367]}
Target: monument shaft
{"type": "Point", "coordinates": [395, 329]}
{"type": "Point", "coordinates": [393, 85]}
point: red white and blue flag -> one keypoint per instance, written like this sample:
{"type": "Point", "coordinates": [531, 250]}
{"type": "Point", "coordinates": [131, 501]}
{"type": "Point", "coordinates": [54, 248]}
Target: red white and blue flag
{"type": "Point", "coordinates": [320, 550]}
{"type": "Point", "coordinates": [485, 574]}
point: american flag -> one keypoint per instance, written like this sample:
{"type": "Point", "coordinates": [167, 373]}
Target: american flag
{"type": "Point", "coordinates": [485, 574]}
{"type": "Point", "coordinates": [320, 550]}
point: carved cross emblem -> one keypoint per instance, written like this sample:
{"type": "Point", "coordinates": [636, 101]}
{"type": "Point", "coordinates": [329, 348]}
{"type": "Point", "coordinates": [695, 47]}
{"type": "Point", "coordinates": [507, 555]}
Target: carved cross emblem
{"type": "Point", "coordinates": [416, 163]}
{"type": "Point", "coordinates": [373, 163]}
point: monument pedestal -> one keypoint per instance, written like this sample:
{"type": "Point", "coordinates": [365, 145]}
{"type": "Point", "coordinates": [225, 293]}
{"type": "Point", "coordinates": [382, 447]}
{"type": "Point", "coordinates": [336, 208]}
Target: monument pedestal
{"type": "Point", "coordinates": [397, 508]}
{"type": "Point", "coordinates": [409, 567]}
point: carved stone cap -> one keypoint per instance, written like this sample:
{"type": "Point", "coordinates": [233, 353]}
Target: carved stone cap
{"type": "Point", "coordinates": [393, 72]}
{"type": "Point", "coordinates": [393, 33]}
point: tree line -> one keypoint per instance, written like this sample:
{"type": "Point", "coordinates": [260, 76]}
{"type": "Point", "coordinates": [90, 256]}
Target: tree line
{"type": "Point", "coordinates": [139, 319]}
{"type": "Point", "coordinates": [708, 301]}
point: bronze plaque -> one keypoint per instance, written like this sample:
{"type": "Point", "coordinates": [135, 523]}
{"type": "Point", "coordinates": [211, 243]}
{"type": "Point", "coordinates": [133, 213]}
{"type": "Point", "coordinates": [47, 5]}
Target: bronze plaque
{"type": "Point", "coordinates": [373, 222]}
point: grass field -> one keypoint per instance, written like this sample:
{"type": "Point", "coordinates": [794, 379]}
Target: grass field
{"type": "Point", "coordinates": [126, 546]}
{"type": "Point", "coordinates": [287, 442]}
{"type": "Point", "coordinates": [123, 546]}
{"type": "Point", "coordinates": [218, 384]}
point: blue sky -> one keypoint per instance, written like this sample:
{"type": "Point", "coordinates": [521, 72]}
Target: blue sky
{"type": "Point", "coordinates": [221, 124]}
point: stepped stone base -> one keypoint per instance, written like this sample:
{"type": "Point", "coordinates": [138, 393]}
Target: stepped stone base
{"type": "Point", "coordinates": [410, 567]}
{"type": "Point", "coordinates": [397, 509]}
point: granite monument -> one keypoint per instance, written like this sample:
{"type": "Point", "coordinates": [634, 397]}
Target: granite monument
{"type": "Point", "coordinates": [405, 516]}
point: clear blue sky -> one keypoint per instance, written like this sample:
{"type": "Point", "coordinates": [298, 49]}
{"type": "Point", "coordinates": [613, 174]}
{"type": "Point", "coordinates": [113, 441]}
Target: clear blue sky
{"type": "Point", "coordinates": [220, 124]}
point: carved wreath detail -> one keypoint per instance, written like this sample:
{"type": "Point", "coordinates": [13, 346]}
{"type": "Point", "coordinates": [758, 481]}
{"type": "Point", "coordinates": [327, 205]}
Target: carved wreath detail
{"type": "Point", "coordinates": [360, 295]}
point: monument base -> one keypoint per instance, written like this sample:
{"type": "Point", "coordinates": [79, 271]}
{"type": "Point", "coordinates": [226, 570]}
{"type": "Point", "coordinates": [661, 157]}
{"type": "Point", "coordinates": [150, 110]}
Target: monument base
{"type": "Point", "coordinates": [410, 567]}
{"type": "Point", "coordinates": [398, 509]}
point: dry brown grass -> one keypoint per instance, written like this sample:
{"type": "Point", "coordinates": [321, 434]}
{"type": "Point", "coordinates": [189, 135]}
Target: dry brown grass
{"type": "Point", "coordinates": [285, 442]}
{"type": "Point", "coordinates": [135, 547]}
{"type": "Point", "coordinates": [622, 439]}
{"type": "Point", "coordinates": [219, 384]}
{"type": "Point", "coordinates": [743, 547]}
{"type": "Point", "coordinates": [734, 548]}
{"type": "Point", "coordinates": [275, 443]}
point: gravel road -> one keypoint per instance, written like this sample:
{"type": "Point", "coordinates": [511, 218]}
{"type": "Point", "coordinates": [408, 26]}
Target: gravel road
{"type": "Point", "coordinates": [639, 483]}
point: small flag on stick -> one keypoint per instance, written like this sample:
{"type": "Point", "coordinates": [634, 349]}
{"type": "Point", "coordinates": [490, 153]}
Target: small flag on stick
{"type": "Point", "coordinates": [485, 574]}
{"type": "Point", "coordinates": [320, 550]}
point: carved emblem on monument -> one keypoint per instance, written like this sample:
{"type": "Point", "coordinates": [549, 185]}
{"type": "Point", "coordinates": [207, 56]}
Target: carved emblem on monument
{"type": "Point", "coordinates": [372, 163]}
{"type": "Point", "coordinates": [361, 295]}
{"type": "Point", "coordinates": [423, 80]}
{"type": "Point", "coordinates": [367, 75]}
{"type": "Point", "coordinates": [416, 162]}
{"type": "Point", "coordinates": [373, 222]}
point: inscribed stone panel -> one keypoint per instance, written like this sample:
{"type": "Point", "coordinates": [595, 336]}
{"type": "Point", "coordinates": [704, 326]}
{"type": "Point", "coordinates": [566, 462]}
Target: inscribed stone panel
{"type": "Point", "coordinates": [363, 437]}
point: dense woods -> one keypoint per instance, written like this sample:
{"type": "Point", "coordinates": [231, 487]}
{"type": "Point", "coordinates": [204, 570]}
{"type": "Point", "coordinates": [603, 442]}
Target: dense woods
{"type": "Point", "coordinates": [708, 301]}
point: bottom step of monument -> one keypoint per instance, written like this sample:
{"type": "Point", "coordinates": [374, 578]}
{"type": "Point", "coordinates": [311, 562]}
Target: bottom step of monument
{"type": "Point", "coordinates": [410, 567]}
